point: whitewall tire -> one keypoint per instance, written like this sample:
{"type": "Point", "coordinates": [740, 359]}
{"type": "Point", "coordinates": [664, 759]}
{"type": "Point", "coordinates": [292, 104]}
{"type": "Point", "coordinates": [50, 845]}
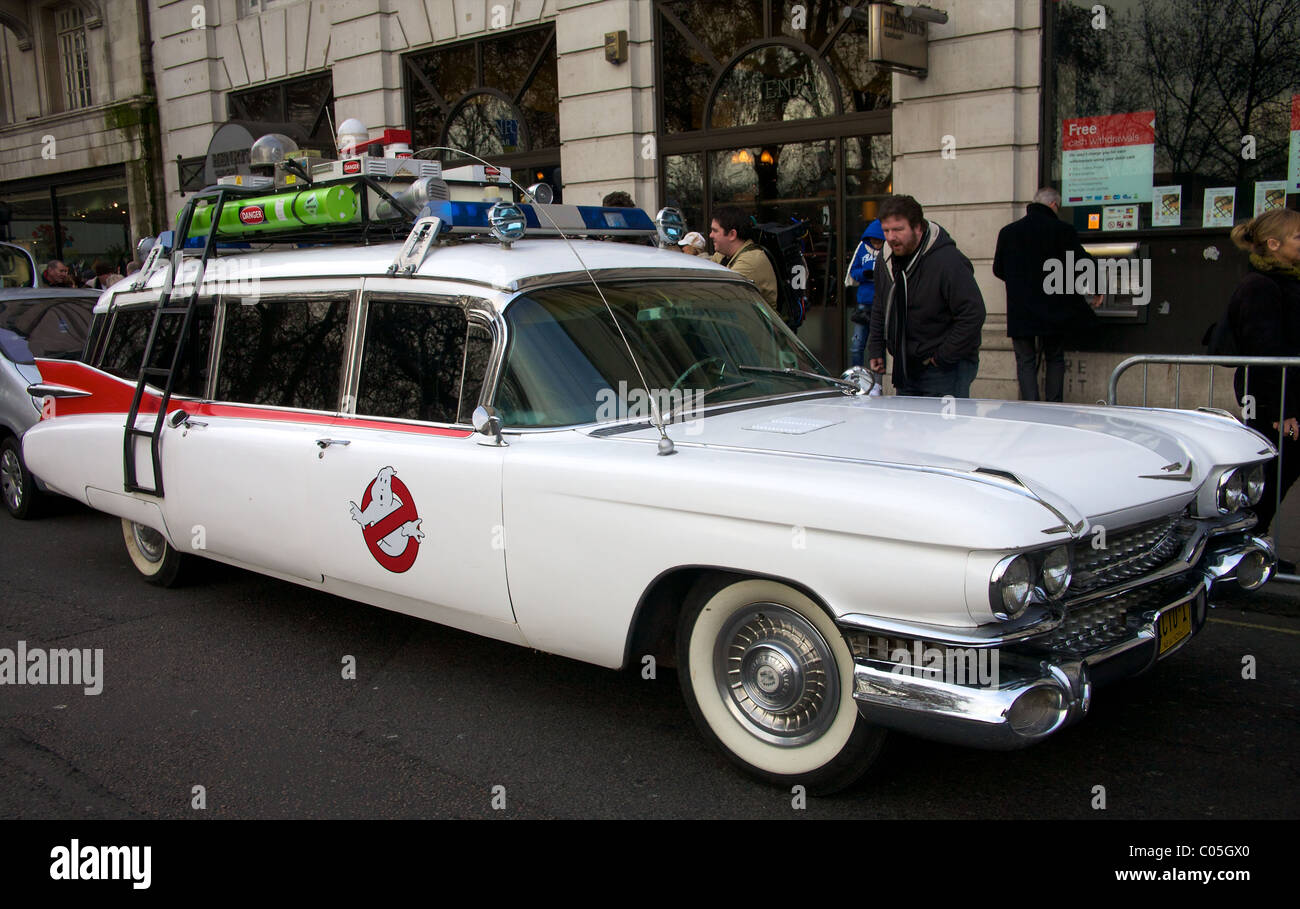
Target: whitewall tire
{"type": "Point", "coordinates": [768, 678]}
{"type": "Point", "coordinates": [157, 560]}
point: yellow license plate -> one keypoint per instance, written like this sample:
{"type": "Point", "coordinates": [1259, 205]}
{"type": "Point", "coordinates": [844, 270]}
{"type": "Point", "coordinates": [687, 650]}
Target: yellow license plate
{"type": "Point", "coordinates": [1175, 625]}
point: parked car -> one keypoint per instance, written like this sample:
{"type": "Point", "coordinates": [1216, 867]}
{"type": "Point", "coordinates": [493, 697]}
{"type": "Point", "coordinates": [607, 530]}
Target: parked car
{"type": "Point", "coordinates": [46, 322]}
{"type": "Point", "coordinates": [617, 454]}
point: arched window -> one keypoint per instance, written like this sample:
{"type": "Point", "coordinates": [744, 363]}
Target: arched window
{"type": "Point", "coordinates": [772, 83]}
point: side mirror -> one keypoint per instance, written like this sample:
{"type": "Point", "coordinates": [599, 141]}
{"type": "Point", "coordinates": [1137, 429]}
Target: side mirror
{"type": "Point", "coordinates": [860, 376]}
{"type": "Point", "coordinates": [487, 423]}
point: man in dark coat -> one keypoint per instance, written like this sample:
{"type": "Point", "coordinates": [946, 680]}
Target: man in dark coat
{"type": "Point", "coordinates": [1038, 322]}
{"type": "Point", "coordinates": [928, 310]}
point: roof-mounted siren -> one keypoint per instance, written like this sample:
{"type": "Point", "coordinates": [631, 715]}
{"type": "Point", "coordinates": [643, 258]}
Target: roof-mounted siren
{"type": "Point", "coordinates": [671, 226]}
{"type": "Point", "coordinates": [415, 197]}
{"type": "Point", "coordinates": [507, 222]}
{"type": "Point", "coordinates": [539, 194]}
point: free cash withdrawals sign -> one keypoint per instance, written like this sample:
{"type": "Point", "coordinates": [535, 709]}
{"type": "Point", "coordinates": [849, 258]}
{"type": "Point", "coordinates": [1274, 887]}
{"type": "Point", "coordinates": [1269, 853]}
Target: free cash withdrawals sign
{"type": "Point", "coordinates": [1108, 159]}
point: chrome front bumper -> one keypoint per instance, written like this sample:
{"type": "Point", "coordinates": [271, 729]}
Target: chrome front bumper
{"type": "Point", "coordinates": [1043, 680]}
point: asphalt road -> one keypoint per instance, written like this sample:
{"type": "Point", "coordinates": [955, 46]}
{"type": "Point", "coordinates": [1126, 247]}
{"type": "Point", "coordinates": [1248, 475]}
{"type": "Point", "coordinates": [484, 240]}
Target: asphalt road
{"type": "Point", "coordinates": [234, 684]}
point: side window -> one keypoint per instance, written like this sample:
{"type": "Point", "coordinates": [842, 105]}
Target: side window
{"type": "Point", "coordinates": [283, 353]}
{"type": "Point", "coordinates": [414, 360]}
{"type": "Point", "coordinates": [129, 332]}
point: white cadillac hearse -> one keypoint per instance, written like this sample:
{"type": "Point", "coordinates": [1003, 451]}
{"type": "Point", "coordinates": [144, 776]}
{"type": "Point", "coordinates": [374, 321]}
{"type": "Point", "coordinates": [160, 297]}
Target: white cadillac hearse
{"type": "Point", "coordinates": [426, 425]}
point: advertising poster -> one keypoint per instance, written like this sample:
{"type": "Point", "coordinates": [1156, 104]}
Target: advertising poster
{"type": "Point", "coordinates": [1108, 159]}
{"type": "Point", "coordinates": [1166, 206]}
{"type": "Point", "coordinates": [1269, 194]}
{"type": "Point", "coordinates": [1120, 217]}
{"type": "Point", "coordinates": [1220, 203]}
{"type": "Point", "coordinates": [1293, 161]}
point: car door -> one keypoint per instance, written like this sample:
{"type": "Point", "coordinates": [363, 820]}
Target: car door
{"type": "Point", "coordinates": [406, 500]}
{"type": "Point", "coordinates": [238, 470]}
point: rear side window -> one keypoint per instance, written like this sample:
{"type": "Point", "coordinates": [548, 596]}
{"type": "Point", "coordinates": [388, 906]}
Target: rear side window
{"type": "Point", "coordinates": [129, 332]}
{"type": "Point", "coordinates": [53, 329]}
{"type": "Point", "coordinates": [421, 361]}
{"type": "Point", "coordinates": [283, 354]}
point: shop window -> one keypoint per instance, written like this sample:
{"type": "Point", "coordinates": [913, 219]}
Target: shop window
{"type": "Point", "coordinates": [307, 104]}
{"type": "Point", "coordinates": [286, 354]}
{"type": "Point", "coordinates": [74, 66]}
{"type": "Point", "coordinates": [95, 222]}
{"type": "Point", "coordinates": [1192, 104]}
{"type": "Point", "coordinates": [495, 96]}
{"type": "Point", "coordinates": [415, 364]}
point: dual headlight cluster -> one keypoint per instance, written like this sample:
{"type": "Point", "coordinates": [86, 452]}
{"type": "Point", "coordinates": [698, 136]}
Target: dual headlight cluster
{"type": "Point", "coordinates": [1019, 579]}
{"type": "Point", "coordinates": [1240, 487]}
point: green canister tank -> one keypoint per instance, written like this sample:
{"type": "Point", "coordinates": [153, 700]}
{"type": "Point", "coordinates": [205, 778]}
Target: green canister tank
{"type": "Point", "coordinates": [329, 205]}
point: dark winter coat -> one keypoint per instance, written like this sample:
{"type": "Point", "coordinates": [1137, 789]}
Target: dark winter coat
{"type": "Point", "coordinates": [1023, 248]}
{"type": "Point", "coordinates": [944, 308]}
{"type": "Point", "coordinates": [1265, 316]}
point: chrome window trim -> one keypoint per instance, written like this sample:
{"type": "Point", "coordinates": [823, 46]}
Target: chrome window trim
{"type": "Point", "coordinates": [347, 296]}
{"type": "Point", "coordinates": [477, 310]}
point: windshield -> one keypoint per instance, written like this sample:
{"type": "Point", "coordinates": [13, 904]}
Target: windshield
{"type": "Point", "coordinates": [53, 329]}
{"type": "Point", "coordinates": [696, 342]}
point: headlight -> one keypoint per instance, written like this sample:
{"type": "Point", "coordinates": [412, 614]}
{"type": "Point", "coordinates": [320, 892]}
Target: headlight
{"type": "Point", "coordinates": [1056, 571]}
{"type": "Point", "coordinates": [1255, 484]}
{"type": "Point", "coordinates": [1011, 585]}
{"type": "Point", "coordinates": [1232, 491]}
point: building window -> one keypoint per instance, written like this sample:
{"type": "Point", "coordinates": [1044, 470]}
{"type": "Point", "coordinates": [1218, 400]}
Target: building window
{"type": "Point", "coordinates": [73, 63]}
{"type": "Point", "coordinates": [301, 106]}
{"type": "Point", "coordinates": [495, 97]}
{"type": "Point", "coordinates": [1194, 101]}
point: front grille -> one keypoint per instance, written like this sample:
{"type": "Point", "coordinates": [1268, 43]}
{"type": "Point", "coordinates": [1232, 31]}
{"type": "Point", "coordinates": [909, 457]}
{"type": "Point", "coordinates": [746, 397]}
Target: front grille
{"type": "Point", "coordinates": [1129, 553]}
{"type": "Point", "coordinates": [1110, 620]}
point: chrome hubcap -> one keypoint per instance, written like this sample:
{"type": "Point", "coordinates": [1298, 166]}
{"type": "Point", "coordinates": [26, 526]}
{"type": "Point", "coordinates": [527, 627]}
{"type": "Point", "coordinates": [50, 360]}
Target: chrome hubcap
{"type": "Point", "coordinates": [11, 479]}
{"type": "Point", "coordinates": [776, 674]}
{"type": "Point", "coordinates": [149, 541]}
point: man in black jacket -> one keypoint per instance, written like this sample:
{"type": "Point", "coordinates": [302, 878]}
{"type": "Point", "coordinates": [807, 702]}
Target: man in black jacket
{"type": "Point", "coordinates": [928, 311]}
{"type": "Point", "coordinates": [1038, 321]}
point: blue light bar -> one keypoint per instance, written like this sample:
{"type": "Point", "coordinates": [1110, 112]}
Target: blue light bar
{"type": "Point", "coordinates": [546, 220]}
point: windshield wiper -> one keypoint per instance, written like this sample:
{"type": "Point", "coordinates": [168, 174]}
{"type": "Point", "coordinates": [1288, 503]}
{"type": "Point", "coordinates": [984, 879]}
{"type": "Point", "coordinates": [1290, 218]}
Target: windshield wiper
{"type": "Point", "coordinates": [791, 371]}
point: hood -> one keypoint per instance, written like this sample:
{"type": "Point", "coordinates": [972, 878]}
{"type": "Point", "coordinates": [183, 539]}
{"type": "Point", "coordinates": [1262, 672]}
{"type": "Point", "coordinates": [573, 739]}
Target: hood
{"type": "Point", "coordinates": [1086, 462]}
{"type": "Point", "coordinates": [874, 230]}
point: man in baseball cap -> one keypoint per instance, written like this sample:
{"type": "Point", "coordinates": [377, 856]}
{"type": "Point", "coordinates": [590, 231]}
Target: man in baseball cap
{"type": "Point", "coordinates": [693, 244]}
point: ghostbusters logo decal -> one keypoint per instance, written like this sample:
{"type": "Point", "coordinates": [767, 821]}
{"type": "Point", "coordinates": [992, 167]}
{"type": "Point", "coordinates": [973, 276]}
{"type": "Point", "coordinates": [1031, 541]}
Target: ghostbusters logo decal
{"type": "Point", "coordinates": [389, 521]}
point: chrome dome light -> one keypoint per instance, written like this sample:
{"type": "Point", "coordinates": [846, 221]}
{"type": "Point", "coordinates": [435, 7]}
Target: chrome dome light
{"type": "Point", "coordinates": [1057, 572]}
{"type": "Point", "coordinates": [507, 222]}
{"type": "Point", "coordinates": [672, 226]}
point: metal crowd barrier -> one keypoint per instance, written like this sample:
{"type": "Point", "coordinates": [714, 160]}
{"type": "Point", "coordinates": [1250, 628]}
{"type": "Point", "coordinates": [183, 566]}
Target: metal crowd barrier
{"type": "Point", "coordinates": [1209, 362]}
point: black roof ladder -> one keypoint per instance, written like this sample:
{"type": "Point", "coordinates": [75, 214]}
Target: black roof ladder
{"type": "Point", "coordinates": [168, 336]}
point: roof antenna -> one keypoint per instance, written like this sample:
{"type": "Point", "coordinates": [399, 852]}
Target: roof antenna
{"type": "Point", "coordinates": [666, 446]}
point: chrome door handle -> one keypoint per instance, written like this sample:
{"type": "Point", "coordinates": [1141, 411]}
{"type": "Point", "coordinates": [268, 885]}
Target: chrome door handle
{"type": "Point", "coordinates": [326, 443]}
